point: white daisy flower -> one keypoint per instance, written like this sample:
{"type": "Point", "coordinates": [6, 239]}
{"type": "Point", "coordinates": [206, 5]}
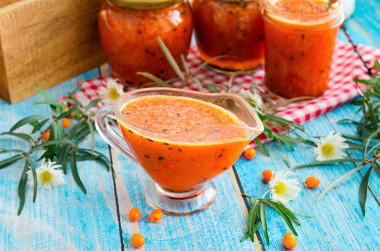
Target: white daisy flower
{"type": "Point", "coordinates": [331, 147]}
{"type": "Point", "coordinates": [111, 92]}
{"type": "Point", "coordinates": [283, 188]}
{"type": "Point", "coordinates": [254, 97]}
{"type": "Point", "coordinates": [47, 175]}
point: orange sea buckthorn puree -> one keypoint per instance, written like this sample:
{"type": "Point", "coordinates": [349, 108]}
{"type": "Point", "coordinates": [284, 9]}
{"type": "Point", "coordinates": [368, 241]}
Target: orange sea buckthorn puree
{"type": "Point", "coordinates": [300, 37]}
{"type": "Point", "coordinates": [182, 142]}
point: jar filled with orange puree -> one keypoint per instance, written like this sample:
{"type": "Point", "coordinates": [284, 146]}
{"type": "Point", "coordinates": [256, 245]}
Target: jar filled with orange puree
{"type": "Point", "coordinates": [300, 37]}
{"type": "Point", "coordinates": [129, 30]}
{"type": "Point", "coordinates": [232, 28]}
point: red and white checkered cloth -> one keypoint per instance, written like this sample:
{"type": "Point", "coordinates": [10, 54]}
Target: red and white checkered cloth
{"type": "Point", "coordinates": [346, 65]}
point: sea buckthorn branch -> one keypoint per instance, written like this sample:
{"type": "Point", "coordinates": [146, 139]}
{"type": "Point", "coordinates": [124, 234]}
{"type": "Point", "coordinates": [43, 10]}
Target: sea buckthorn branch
{"type": "Point", "coordinates": [257, 217]}
{"type": "Point", "coordinates": [61, 144]}
{"type": "Point", "coordinates": [365, 142]}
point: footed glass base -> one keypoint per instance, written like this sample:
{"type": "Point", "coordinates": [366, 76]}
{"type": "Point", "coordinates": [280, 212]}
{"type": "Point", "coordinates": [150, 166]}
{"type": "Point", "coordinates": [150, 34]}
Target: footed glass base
{"type": "Point", "coordinates": [180, 203]}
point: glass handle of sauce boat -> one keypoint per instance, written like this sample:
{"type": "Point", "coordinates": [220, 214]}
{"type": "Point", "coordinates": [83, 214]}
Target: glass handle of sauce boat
{"type": "Point", "coordinates": [105, 122]}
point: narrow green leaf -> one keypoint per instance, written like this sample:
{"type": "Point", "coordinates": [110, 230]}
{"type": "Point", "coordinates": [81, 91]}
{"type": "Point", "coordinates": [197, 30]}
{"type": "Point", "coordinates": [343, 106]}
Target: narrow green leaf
{"type": "Point", "coordinates": [75, 128]}
{"type": "Point", "coordinates": [376, 167]}
{"type": "Point", "coordinates": [92, 133]}
{"type": "Point", "coordinates": [286, 210]}
{"type": "Point", "coordinates": [43, 93]}
{"type": "Point", "coordinates": [66, 114]}
{"type": "Point", "coordinates": [33, 168]}
{"type": "Point", "coordinates": [212, 88]}
{"type": "Point", "coordinates": [204, 64]}
{"type": "Point", "coordinates": [54, 142]}
{"type": "Point", "coordinates": [285, 122]}
{"type": "Point", "coordinates": [264, 222]}
{"type": "Point", "coordinates": [183, 60]}
{"type": "Point", "coordinates": [282, 214]}
{"type": "Point", "coordinates": [39, 126]}
{"type": "Point", "coordinates": [7, 162]}
{"type": "Point", "coordinates": [21, 188]}
{"type": "Point", "coordinates": [245, 236]}
{"type": "Point", "coordinates": [252, 218]}
{"type": "Point", "coordinates": [91, 104]}
{"type": "Point", "coordinates": [28, 120]}
{"type": "Point", "coordinates": [261, 145]}
{"type": "Point", "coordinates": [50, 102]}
{"type": "Point", "coordinates": [155, 79]}
{"type": "Point", "coordinates": [56, 133]}
{"type": "Point", "coordinates": [199, 84]}
{"type": "Point", "coordinates": [64, 160]}
{"type": "Point", "coordinates": [23, 136]}
{"type": "Point", "coordinates": [74, 171]}
{"type": "Point", "coordinates": [75, 90]}
{"type": "Point", "coordinates": [363, 189]}
{"type": "Point", "coordinates": [170, 58]}
{"type": "Point", "coordinates": [326, 162]}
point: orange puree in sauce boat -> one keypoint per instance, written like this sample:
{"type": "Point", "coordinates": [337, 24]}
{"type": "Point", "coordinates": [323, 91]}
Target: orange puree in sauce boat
{"type": "Point", "coordinates": [300, 37]}
{"type": "Point", "coordinates": [182, 142]}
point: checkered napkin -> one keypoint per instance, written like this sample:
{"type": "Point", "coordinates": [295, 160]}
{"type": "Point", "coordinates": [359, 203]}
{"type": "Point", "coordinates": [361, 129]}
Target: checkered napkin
{"type": "Point", "coordinates": [345, 66]}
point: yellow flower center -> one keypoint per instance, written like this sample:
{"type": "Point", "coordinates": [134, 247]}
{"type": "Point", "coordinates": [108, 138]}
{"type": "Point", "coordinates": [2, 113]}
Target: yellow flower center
{"type": "Point", "coordinates": [46, 177]}
{"type": "Point", "coordinates": [328, 149]}
{"type": "Point", "coordinates": [280, 188]}
{"type": "Point", "coordinates": [113, 94]}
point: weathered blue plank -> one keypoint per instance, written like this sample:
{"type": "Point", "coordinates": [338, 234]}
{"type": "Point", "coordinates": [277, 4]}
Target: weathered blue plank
{"type": "Point", "coordinates": [219, 227]}
{"type": "Point", "coordinates": [64, 218]}
{"type": "Point", "coordinates": [337, 222]}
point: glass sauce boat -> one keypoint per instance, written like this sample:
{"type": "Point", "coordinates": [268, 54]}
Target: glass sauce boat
{"type": "Point", "coordinates": [181, 164]}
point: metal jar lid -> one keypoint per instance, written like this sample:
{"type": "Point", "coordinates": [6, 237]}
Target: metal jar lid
{"type": "Point", "coordinates": [143, 4]}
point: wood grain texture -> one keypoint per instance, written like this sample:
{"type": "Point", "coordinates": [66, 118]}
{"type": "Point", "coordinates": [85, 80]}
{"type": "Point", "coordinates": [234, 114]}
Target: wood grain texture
{"type": "Point", "coordinates": [63, 218]}
{"type": "Point", "coordinates": [44, 42]}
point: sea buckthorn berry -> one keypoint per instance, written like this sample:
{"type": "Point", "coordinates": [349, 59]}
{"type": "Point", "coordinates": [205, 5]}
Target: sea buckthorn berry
{"type": "Point", "coordinates": [250, 153]}
{"type": "Point", "coordinates": [134, 214]}
{"type": "Point", "coordinates": [156, 215]}
{"type": "Point", "coordinates": [46, 135]}
{"type": "Point", "coordinates": [138, 240]}
{"type": "Point", "coordinates": [65, 123]}
{"type": "Point", "coordinates": [312, 182]}
{"type": "Point", "coordinates": [268, 175]}
{"type": "Point", "coordinates": [290, 241]}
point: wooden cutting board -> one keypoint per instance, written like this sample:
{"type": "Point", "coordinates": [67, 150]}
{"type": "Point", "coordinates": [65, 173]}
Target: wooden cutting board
{"type": "Point", "coordinates": [45, 42]}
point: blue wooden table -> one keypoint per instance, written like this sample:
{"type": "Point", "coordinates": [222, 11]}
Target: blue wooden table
{"type": "Point", "coordinates": [66, 219]}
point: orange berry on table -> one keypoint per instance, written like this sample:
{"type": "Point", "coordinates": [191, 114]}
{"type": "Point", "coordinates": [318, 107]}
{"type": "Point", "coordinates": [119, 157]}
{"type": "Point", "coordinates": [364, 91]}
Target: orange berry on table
{"type": "Point", "coordinates": [312, 182]}
{"type": "Point", "coordinates": [134, 214]}
{"type": "Point", "coordinates": [250, 153]}
{"type": "Point", "coordinates": [65, 123]}
{"type": "Point", "coordinates": [138, 240]}
{"type": "Point", "coordinates": [289, 241]}
{"type": "Point", "coordinates": [156, 215]}
{"type": "Point", "coordinates": [268, 175]}
{"type": "Point", "coordinates": [46, 135]}
{"type": "Point", "coordinates": [72, 114]}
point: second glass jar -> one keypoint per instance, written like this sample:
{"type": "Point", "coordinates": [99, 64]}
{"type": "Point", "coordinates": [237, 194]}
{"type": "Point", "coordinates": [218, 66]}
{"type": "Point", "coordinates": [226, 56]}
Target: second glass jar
{"type": "Point", "coordinates": [232, 28]}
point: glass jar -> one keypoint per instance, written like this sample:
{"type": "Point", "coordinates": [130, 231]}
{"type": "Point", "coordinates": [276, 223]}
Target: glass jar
{"type": "Point", "coordinates": [232, 28]}
{"type": "Point", "coordinates": [300, 37]}
{"type": "Point", "coordinates": [129, 31]}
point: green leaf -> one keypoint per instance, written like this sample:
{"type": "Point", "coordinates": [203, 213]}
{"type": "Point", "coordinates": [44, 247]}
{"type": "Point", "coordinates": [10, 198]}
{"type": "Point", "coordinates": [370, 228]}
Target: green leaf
{"type": "Point", "coordinates": [363, 189]}
{"type": "Point", "coordinates": [28, 120]}
{"type": "Point", "coordinates": [54, 142]}
{"type": "Point", "coordinates": [252, 218]}
{"type": "Point", "coordinates": [75, 90]}
{"type": "Point", "coordinates": [285, 122]}
{"type": "Point", "coordinates": [264, 222]}
{"type": "Point", "coordinates": [212, 88]}
{"type": "Point", "coordinates": [7, 162]}
{"type": "Point", "coordinates": [23, 136]}
{"type": "Point", "coordinates": [154, 79]}
{"type": "Point", "coordinates": [39, 125]}
{"type": "Point", "coordinates": [245, 236]}
{"type": "Point", "coordinates": [56, 133]}
{"type": "Point", "coordinates": [92, 133]}
{"type": "Point", "coordinates": [183, 60]}
{"type": "Point", "coordinates": [33, 168]}
{"type": "Point", "coordinates": [204, 64]}
{"type": "Point", "coordinates": [261, 145]}
{"type": "Point", "coordinates": [327, 162]}
{"type": "Point", "coordinates": [199, 84]}
{"type": "Point", "coordinates": [282, 214]}
{"type": "Point", "coordinates": [64, 159]}
{"type": "Point", "coordinates": [91, 104]}
{"type": "Point", "coordinates": [66, 114]}
{"type": "Point", "coordinates": [377, 65]}
{"type": "Point", "coordinates": [21, 188]}
{"type": "Point", "coordinates": [75, 128]}
{"type": "Point", "coordinates": [74, 171]}
{"type": "Point", "coordinates": [170, 59]}
{"type": "Point", "coordinates": [286, 210]}
{"type": "Point", "coordinates": [43, 93]}
{"type": "Point", "coordinates": [50, 102]}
